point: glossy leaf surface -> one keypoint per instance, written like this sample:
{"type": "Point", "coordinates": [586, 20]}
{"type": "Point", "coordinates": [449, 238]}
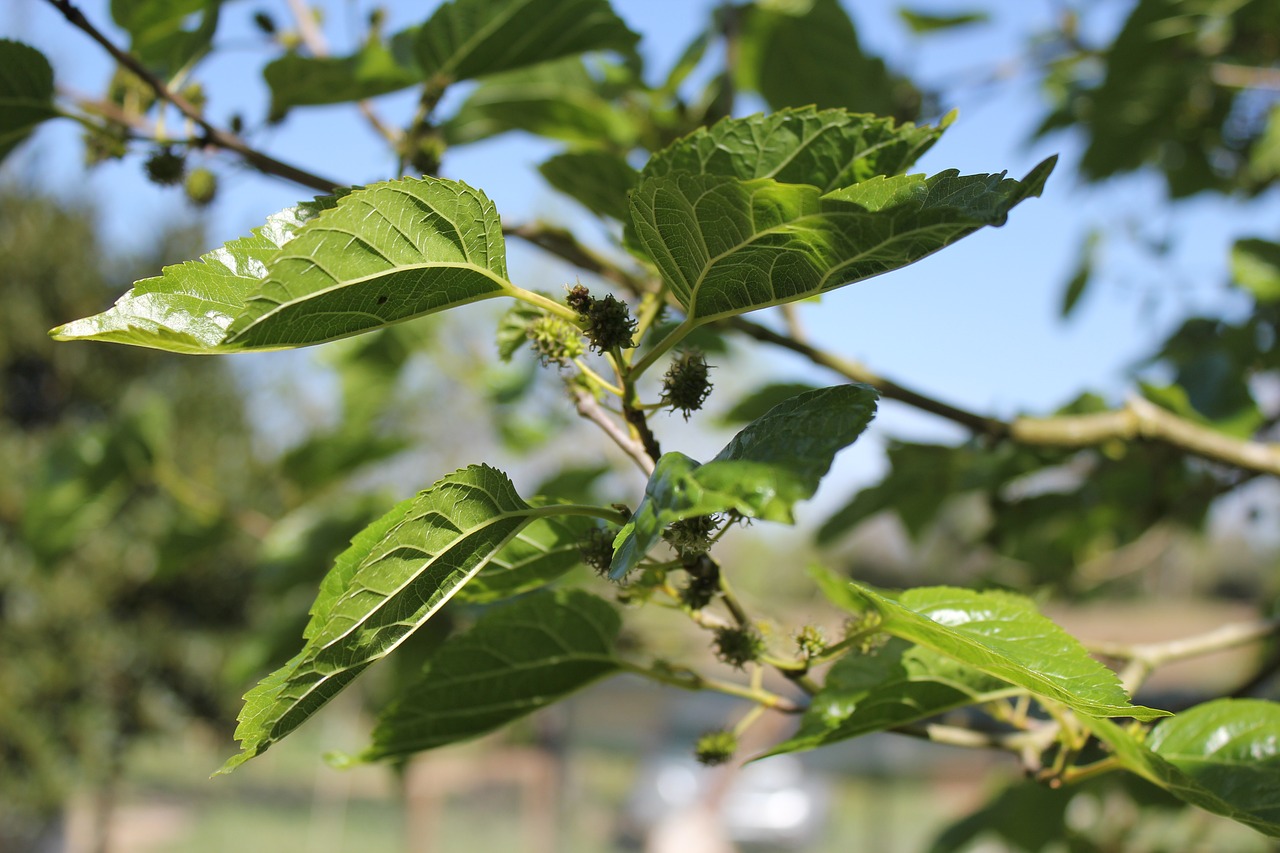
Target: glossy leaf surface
{"type": "Point", "coordinates": [1220, 756]}
{"type": "Point", "coordinates": [515, 660]}
{"type": "Point", "coordinates": [1002, 635]}
{"type": "Point", "coordinates": [189, 306]}
{"type": "Point", "coordinates": [893, 686]}
{"type": "Point", "coordinates": [776, 461]}
{"type": "Point", "coordinates": [396, 575]}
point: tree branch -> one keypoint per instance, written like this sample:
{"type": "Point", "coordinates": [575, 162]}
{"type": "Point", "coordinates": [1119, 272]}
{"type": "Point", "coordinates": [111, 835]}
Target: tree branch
{"type": "Point", "coordinates": [212, 135]}
{"type": "Point", "coordinates": [592, 411]}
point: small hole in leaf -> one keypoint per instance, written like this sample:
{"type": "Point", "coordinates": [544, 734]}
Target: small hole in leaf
{"type": "Point", "coordinates": [382, 299]}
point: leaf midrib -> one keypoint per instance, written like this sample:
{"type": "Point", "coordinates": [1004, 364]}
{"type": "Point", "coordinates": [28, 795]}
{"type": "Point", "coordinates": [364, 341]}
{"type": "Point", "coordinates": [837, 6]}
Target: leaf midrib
{"type": "Point", "coordinates": [469, 46]}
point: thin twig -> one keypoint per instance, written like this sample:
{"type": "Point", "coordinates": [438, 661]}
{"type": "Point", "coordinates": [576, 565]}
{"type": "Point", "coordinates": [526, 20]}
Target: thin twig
{"type": "Point", "coordinates": [592, 411]}
{"type": "Point", "coordinates": [211, 134]}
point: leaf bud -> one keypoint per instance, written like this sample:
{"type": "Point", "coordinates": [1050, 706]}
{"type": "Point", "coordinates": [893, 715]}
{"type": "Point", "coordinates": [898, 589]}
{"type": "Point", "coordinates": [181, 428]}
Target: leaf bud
{"type": "Point", "coordinates": [685, 387]}
{"type": "Point", "coordinates": [738, 646]}
{"type": "Point", "coordinates": [165, 167]}
{"type": "Point", "coordinates": [810, 642]}
{"type": "Point", "coordinates": [201, 187]}
{"type": "Point", "coordinates": [716, 747]}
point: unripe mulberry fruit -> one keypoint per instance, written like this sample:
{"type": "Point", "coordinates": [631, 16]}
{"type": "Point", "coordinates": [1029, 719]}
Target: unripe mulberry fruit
{"type": "Point", "coordinates": [686, 386]}
{"type": "Point", "coordinates": [165, 167]}
{"type": "Point", "coordinates": [201, 187]}
{"type": "Point", "coordinates": [716, 747]}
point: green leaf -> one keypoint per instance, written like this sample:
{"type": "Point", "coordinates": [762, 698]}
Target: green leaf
{"type": "Point", "coordinates": [599, 180]}
{"type": "Point", "coordinates": [541, 553]}
{"type": "Point", "coordinates": [774, 462]}
{"type": "Point", "coordinates": [893, 686]}
{"type": "Point", "coordinates": [298, 81]}
{"type": "Point", "coordinates": [159, 34]}
{"type": "Point", "coordinates": [1029, 815]}
{"type": "Point", "coordinates": [386, 253]}
{"type": "Point", "coordinates": [395, 576]}
{"type": "Point", "coordinates": [189, 307]}
{"type": "Point", "coordinates": [1255, 266]}
{"type": "Point", "coordinates": [558, 100]}
{"type": "Point", "coordinates": [922, 23]}
{"type": "Point", "coordinates": [1002, 635]}
{"type": "Point", "coordinates": [26, 93]}
{"type": "Point", "coordinates": [472, 38]}
{"type": "Point", "coordinates": [828, 149]}
{"type": "Point", "coordinates": [807, 52]}
{"type": "Point", "coordinates": [514, 661]}
{"type": "Point", "coordinates": [1220, 756]}
{"type": "Point", "coordinates": [725, 246]}
{"type": "Point", "coordinates": [1230, 747]}
{"type": "Point", "coordinates": [1081, 275]}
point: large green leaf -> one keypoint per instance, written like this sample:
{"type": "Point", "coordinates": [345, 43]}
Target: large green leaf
{"type": "Point", "coordinates": [374, 70]}
{"type": "Point", "coordinates": [385, 253]}
{"type": "Point", "coordinates": [189, 306]}
{"type": "Point", "coordinates": [1220, 756]}
{"type": "Point", "coordinates": [542, 552]}
{"type": "Point", "coordinates": [558, 100]}
{"type": "Point", "coordinates": [379, 255]}
{"type": "Point", "coordinates": [775, 461]}
{"type": "Point", "coordinates": [26, 93]}
{"type": "Point", "coordinates": [396, 575]}
{"type": "Point", "coordinates": [473, 38]}
{"type": "Point", "coordinates": [1000, 634]}
{"type": "Point", "coordinates": [514, 661]}
{"type": "Point", "coordinates": [828, 149]}
{"type": "Point", "coordinates": [895, 685]}
{"type": "Point", "coordinates": [725, 246]}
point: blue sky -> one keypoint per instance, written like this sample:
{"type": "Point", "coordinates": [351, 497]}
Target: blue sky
{"type": "Point", "coordinates": [976, 324]}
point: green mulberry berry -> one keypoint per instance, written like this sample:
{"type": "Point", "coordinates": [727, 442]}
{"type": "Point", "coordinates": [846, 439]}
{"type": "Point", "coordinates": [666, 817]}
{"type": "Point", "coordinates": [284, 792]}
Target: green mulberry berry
{"type": "Point", "coordinates": [201, 187]}
{"type": "Point", "coordinates": [716, 747]}
{"type": "Point", "coordinates": [738, 646]}
{"type": "Point", "coordinates": [165, 167]}
{"type": "Point", "coordinates": [686, 386]}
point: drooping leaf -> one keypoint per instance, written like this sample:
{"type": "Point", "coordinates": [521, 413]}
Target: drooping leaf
{"type": "Point", "coordinates": [514, 661]}
{"type": "Point", "coordinates": [474, 38]}
{"type": "Point", "coordinates": [776, 461]}
{"type": "Point", "coordinates": [828, 149]}
{"type": "Point", "coordinates": [795, 54]}
{"type": "Point", "coordinates": [895, 685]}
{"type": "Point", "coordinates": [725, 246]}
{"type": "Point", "coordinates": [1222, 759]}
{"type": "Point", "coordinates": [167, 34]}
{"type": "Point", "coordinates": [386, 253]}
{"type": "Point", "coordinates": [189, 307]}
{"type": "Point", "coordinates": [299, 81]}
{"type": "Point", "coordinates": [1230, 747]}
{"type": "Point", "coordinates": [599, 180]}
{"type": "Point", "coordinates": [538, 555]}
{"type": "Point", "coordinates": [558, 100]}
{"type": "Point", "coordinates": [396, 575]}
{"type": "Point", "coordinates": [922, 23]}
{"type": "Point", "coordinates": [1255, 266]}
{"type": "Point", "coordinates": [1002, 635]}
{"type": "Point", "coordinates": [26, 93]}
